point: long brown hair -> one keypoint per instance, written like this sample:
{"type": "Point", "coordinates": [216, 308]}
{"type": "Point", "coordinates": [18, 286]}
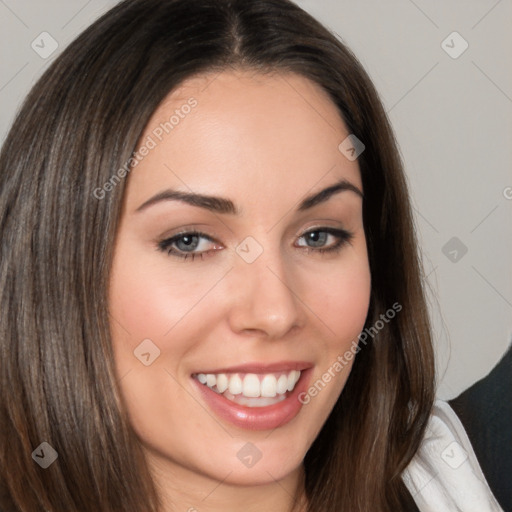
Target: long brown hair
{"type": "Point", "coordinates": [78, 126]}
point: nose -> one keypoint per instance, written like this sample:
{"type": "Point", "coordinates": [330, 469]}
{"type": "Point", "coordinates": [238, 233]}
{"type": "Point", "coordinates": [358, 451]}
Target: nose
{"type": "Point", "coordinates": [263, 302]}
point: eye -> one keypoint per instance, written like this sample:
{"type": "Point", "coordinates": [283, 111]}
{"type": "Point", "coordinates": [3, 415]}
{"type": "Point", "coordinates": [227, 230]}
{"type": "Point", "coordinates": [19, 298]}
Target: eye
{"type": "Point", "coordinates": [188, 245]}
{"type": "Point", "coordinates": [325, 239]}
{"type": "Point", "coordinates": [191, 244]}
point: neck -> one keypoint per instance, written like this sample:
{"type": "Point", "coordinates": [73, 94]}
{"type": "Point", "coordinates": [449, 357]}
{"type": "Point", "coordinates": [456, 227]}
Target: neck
{"type": "Point", "coordinates": [184, 490]}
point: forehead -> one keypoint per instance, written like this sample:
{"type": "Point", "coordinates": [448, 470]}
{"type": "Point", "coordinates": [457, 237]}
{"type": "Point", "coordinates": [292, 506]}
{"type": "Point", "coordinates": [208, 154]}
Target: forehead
{"type": "Point", "coordinates": [243, 129]}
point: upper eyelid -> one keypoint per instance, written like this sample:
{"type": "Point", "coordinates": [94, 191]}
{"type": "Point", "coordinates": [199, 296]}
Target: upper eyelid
{"type": "Point", "coordinates": [192, 231]}
{"type": "Point", "coordinates": [328, 229]}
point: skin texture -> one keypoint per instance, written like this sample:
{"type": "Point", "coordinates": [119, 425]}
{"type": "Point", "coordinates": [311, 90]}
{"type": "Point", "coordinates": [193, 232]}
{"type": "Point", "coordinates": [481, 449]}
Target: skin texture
{"type": "Point", "coordinates": [265, 142]}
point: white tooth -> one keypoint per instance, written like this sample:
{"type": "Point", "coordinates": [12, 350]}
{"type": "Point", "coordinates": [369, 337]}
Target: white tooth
{"type": "Point", "coordinates": [282, 385]}
{"type": "Point", "coordinates": [235, 385]}
{"type": "Point", "coordinates": [222, 382]}
{"type": "Point", "coordinates": [291, 380]}
{"type": "Point", "coordinates": [251, 387]}
{"type": "Point", "coordinates": [258, 402]}
{"type": "Point", "coordinates": [297, 376]}
{"type": "Point", "coordinates": [210, 380]}
{"type": "Point", "coordinates": [268, 386]}
{"type": "Point", "coordinates": [201, 377]}
{"type": "Point", "coordinates": [254, 402]}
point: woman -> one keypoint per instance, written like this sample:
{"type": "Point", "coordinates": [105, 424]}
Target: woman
{"type": "Point", "coordinates": [211, 296]}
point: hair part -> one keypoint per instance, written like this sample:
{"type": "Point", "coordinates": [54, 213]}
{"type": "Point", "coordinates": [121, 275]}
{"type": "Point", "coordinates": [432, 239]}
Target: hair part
{"type": "Point", "coordinates": [79, 125]}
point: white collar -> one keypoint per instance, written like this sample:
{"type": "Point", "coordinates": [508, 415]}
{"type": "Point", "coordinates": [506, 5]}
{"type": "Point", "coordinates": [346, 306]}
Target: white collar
{"type": "Point", "coordinates": [444, 475]}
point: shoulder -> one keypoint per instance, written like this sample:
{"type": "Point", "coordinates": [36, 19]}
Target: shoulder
{"type": "Point", "coordinates": [444, 475]}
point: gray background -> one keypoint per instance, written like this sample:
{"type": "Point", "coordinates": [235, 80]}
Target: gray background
{"type": "Point", "coordinates": [452, 116]}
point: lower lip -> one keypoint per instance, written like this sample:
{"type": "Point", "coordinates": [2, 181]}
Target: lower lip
{"type": "Point", "coordinates": [257, 418]}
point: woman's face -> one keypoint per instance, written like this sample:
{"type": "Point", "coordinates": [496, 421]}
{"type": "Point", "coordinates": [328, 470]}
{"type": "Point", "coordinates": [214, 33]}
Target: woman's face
{"type": "Point", "coordinates": [275, 287]}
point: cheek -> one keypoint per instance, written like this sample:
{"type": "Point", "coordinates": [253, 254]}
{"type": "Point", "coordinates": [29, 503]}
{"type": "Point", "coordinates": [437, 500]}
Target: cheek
{"type": "Point", "coordinates": [340, 298]}
{"type": "Point", "coordinates": [151, 295]}
{"type": "Point", "coordinates": [140, 302]}
{"type": "Point", "coordinates": [143, 306]}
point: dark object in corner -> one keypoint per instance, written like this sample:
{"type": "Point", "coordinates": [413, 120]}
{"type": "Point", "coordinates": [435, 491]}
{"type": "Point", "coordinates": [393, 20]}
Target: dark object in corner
{"type": "Point", "coordinates": [485, 410]}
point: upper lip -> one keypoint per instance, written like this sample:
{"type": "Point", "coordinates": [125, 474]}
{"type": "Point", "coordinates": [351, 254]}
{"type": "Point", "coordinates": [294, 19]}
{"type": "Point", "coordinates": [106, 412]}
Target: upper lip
{"type": "Point", "coordinates": [281, 366]}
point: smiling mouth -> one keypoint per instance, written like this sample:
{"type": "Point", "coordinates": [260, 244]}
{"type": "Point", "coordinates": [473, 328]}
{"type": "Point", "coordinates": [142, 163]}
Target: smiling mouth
{"type": "Point", "coordinates": [251, 389]}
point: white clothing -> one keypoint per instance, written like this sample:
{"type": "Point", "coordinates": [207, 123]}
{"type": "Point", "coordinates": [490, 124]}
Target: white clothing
{"type": "Point", "coordinates": [444, 475]}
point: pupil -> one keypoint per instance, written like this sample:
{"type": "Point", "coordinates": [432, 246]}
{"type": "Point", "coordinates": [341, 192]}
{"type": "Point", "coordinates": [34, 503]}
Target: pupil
{"type": "Point", "coordinates": [187, 242]}
{"type": "Point", "coordinates": [317, 237]}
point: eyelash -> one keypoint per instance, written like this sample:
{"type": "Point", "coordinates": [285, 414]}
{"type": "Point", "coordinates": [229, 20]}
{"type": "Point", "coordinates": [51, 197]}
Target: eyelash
{"type": "Point", "coordinates": [342, 235]}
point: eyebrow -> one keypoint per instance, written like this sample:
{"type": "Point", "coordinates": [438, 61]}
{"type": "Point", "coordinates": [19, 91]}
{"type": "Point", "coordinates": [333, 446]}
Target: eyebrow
{"type": "Point", "coordinates": [226, 206]}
